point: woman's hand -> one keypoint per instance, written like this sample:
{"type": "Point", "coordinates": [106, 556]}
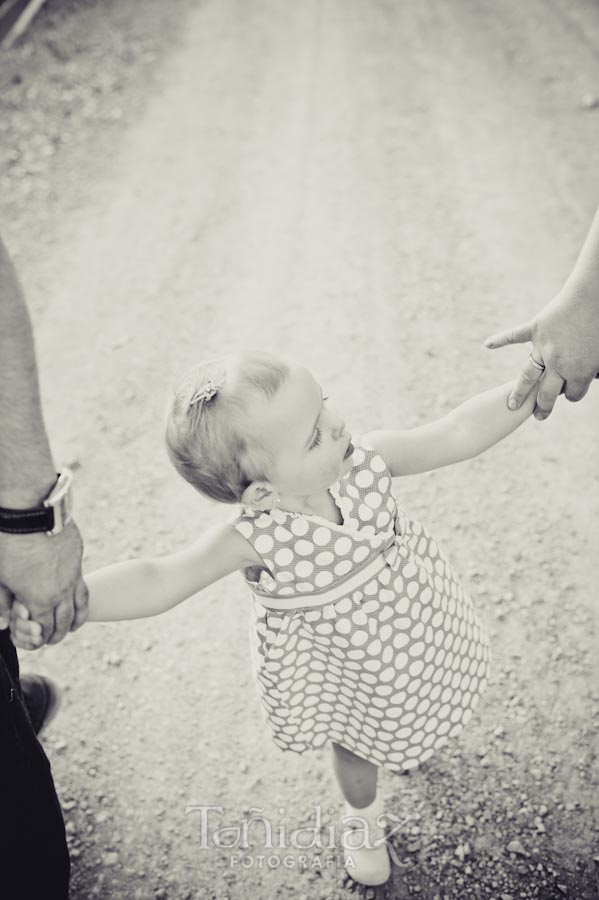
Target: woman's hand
{"type": "Point", "coordinates": [564, 335]}
{"type": "Point", "coordinates": [565, 340]}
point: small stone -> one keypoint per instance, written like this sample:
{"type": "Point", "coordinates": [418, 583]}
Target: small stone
{"type": "Point", "coordinates": [516, 847]}
{"type": "Point", "coordinates": [563, 889]}
{"type": "Point", "coordinates": [507, 897]}
{"type": "Point", "coordinates": [113, 659]}
{"type": "Point", "coordinates": [60, 745]}
{"type": "Point", "coordinates": [462, 850]}
{"type": "Point", "coordinates": [414, 846]}
{"type": "Point", "coordinates": [589, 101]}
{"type": "Point", "coordinates": [110, 859]}
{"type": "Point", "coordinates": [543, 810]}
{"type": "Point", "coordinates": [485, 762]}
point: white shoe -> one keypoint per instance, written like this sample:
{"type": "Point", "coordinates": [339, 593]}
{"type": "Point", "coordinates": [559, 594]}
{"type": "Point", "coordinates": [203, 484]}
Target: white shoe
{"type": "Point", "coordinates": [364, 845]}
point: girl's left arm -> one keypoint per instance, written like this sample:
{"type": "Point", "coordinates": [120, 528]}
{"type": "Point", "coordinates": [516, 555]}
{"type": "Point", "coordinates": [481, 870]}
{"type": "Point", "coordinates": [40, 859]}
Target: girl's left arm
{"type": "Point", "coordinates": [465, 432]}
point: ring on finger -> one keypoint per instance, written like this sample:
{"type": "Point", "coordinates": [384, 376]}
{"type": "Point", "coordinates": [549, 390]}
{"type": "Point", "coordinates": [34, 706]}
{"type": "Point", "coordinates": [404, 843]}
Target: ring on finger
{"type": "Point", "coordinates": [536, 363]}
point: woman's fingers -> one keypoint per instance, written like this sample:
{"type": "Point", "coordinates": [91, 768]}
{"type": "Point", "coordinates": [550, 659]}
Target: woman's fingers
{"type": "Point", "coordinates": [527, 379]}
{"type": "Point", "coordinates": [518, 335]}
{"type": "Point", "coordinates": [576, 389]}
{"type": "Point", "coordinates": [549, 391]}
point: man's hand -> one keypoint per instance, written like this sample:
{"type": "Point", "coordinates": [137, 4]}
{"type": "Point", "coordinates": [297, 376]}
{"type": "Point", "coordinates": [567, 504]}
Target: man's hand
{"type": "Point", "coordinates": [565, 339]}
{"type": "Point", "coordinates": [44, 574]}
{"type": "Point", "coordinates": [6, 601]}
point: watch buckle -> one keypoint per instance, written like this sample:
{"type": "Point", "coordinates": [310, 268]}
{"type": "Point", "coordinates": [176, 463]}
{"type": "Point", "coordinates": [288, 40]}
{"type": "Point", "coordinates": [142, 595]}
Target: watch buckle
{"type": "Point", "coordinates": [60, 500]}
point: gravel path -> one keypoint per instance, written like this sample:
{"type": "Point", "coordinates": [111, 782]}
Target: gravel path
{"type": "Point", "coordinates": [371, 188]}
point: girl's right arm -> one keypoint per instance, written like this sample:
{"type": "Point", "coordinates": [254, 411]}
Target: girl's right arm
{"type": "Point", "coordinates": [147, 587]}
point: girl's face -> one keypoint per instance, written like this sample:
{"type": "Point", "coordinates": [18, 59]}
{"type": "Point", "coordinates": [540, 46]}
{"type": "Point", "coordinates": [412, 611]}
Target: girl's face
{"type": "Point", "coordinates": [308, 442]}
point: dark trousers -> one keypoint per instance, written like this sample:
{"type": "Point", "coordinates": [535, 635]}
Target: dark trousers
{"type": "Point", "coordinates": [34, 860]}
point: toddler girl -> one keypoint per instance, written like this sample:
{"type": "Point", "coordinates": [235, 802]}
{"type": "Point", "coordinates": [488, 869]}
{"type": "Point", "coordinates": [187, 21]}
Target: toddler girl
{"type": "Point", "coordinates": [362, 634]}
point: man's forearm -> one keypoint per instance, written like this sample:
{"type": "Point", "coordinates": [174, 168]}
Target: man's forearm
{"type": "Point", "coordinates": [26, 467]}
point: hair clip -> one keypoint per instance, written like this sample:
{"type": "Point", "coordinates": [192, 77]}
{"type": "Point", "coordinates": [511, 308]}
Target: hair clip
{"type": "Point", "coordinates": [206, 392]}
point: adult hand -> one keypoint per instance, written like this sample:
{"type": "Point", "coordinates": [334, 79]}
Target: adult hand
{"type": "Point", "coordinates": [564, 335]}
{"type": "Point", "coordinates": [6, 601]}
{"type": "Point", "coordinates": [565, 340]}
{"type": "Point", "coordinates": [44, 574]}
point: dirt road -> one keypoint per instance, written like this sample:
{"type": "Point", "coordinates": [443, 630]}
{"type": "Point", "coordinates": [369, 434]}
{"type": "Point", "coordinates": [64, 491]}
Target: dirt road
{"type": "Point", "coordinates": [371, 188]}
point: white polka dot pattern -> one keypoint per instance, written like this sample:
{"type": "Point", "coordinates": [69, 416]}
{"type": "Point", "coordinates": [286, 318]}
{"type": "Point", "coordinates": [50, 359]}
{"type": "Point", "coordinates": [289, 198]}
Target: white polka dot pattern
{"type": "Point", "coordinates": [391, 671]}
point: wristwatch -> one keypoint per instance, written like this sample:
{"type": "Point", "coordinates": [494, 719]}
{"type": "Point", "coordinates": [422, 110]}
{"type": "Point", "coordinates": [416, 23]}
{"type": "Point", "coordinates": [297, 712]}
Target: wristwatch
{"type": "Point", "coordinates": [51, 516]}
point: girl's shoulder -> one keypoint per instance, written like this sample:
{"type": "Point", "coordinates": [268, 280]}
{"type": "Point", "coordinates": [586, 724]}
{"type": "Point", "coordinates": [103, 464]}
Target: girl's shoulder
{"type": "Point", "coordinates": [261, 530]}
{"type": "Point", "coordinates": [366, 456]}
{"type": "Point", "coordinates": [241, 523]}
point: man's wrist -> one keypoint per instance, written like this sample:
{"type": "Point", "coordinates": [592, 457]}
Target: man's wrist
{"type": "Point", "coordinates": [50, 515]}
{"type": "Point", "coordinates": [22, 493]}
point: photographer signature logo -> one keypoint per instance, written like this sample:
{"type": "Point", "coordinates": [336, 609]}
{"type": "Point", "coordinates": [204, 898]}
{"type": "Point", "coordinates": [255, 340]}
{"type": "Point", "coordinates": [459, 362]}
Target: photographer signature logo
{"type": "Point", "coordinates": [314, 845]}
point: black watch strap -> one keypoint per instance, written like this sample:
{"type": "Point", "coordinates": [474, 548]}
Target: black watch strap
{"type": "Point", "coordinates": [26, 521]}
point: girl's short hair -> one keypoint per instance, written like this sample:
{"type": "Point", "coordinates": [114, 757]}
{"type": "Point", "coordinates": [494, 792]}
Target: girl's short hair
{"type": "Point", "coordinates": [205, 438]}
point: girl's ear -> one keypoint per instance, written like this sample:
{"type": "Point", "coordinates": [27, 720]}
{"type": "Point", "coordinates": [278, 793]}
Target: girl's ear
{"type": "Point", "coordinates": [259, 495]}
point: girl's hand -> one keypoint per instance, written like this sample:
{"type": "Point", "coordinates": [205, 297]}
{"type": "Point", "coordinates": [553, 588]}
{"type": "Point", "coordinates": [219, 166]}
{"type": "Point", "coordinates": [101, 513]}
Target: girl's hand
{"type": "Point", "coordinates": [25, 633]}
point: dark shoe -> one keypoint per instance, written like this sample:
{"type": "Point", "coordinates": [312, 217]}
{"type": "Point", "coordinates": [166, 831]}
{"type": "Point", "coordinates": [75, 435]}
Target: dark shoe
{"type": "Point", "coordinates": [42, 699]}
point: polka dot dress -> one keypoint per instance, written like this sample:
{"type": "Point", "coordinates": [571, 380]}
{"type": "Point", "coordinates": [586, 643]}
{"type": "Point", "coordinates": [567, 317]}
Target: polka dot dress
{"type": "Point", "coordinates": [361, 632]}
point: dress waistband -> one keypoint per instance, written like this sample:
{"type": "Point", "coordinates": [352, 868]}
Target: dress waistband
{"type": "Point", "coordinates": [341, 588]}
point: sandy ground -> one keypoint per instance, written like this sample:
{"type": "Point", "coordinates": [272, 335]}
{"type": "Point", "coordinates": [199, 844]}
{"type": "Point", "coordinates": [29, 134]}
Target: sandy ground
{"type": "Point", "coordinates": [371, 188]}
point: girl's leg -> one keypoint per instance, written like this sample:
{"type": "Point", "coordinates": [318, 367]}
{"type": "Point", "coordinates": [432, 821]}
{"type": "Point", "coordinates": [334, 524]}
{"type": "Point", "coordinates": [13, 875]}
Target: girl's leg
{"type": "Point", "coordinates": [356, 777]}
{"type": "Point", "coordinates": [366, 856]}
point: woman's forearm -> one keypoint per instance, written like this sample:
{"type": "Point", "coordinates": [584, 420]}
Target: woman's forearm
{"type": "Point", "coordinates": [584, 277]}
